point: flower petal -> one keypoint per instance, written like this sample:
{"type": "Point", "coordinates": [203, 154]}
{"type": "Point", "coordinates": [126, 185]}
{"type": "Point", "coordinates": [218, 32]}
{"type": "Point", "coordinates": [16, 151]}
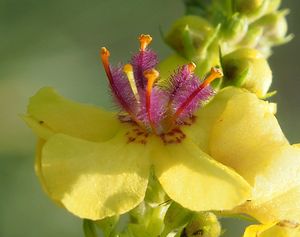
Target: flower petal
{"type": "Point", "coordinates": [245, 134]}
{"type": "Point", "coordinates": [271, 230]}
{"type": "Point", "coordinates": [281, 174]}
{"type": "Point", "coordinates": [285, 206]}
{"type": "Point", "coordinates": [257, 230]}
{"type": "Point", "coordinates": [47, 110]}
{"type": "Point", "coordinates": [39, 128]}
{"type": "Point", "coordinates": [276, 195]}
{"type": "Point", "coordinates": [194, 180]}
{"type": "Point", "coordinates": [95, 180]}
{"type": "Point", "coordinates": [200, 131]}
{"type": "Point", "coordinates": [247, 137]}
{"type": "Point", "coordinates": [38, 167]}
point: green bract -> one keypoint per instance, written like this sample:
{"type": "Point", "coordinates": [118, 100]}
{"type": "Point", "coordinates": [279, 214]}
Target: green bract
{"type": "Point", "coordinates": [247, 68]}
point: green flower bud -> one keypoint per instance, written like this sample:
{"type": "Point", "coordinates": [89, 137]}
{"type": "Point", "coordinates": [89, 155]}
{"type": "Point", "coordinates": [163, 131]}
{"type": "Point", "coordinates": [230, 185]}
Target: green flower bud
{"type": "Point", "coordinates": [169, 65]}
{"type": "Point", "coordinates": [247, 6]}
{"type": "Point", "coordinates": [233, 31]}
{"type": "Point", "coordinates": [176, 217]}
{"type": "Point", "coordinates": [191, 36]}
{"type": "Point", "coordinates": [247, 68]}
{"type": "Point", "coordinates": [252, 38]}
{"type": "Point", "coordinates": [274, 26]}
{"type": "Point", "coordinates": [273, 5]}
{"type": "Point", "coordinates": [203, 225]}
{"type": "Point", "coordinates": [253, 9]}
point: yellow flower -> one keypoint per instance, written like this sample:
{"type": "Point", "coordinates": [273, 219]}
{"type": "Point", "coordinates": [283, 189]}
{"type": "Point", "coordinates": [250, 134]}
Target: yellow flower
{"type": "Point", "coordinates": [86, 164]}
{"type": "Point", "coordinates": [96, 163]}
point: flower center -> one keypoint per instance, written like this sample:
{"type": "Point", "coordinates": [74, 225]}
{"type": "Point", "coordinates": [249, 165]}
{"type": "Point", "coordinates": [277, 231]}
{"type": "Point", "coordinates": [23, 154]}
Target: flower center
{"type": "Point", "coordinates": [156, 105]}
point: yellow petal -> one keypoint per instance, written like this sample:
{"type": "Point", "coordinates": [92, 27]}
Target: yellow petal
{"type": "Point", "coordinates": [272, 230]}
{"type": "Point", "coordinates": [39, 128]}
{"type": "Point", "coordinates": [257, 230]}
{"type": "Point", "coordinates": [38, 167]}
{"type": "Point", "coordinates": [281, 174]}
{"type": "Point", "coordinates": [200, 131]}
{"type": "Point", "coordinates": [47, 109]}
{"type": "Point", "coordinates": [245, 134]}
{"type": "Point", "coordinates": [95, 180]}
{"type": "Point", "coordinates": [284, 206]}
{"type": "Point", "coordinates": [194, 180]}
{"type": "Point", "coordinates": [276, 195]}
{"type": "Point", "coordinates": [248, 138]}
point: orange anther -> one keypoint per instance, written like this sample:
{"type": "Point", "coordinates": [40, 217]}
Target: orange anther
{"type": "Point", "coordinates": [128, 68]}
{"type": "Point", "coordinates": [151, 75]}
{"type": "Point", "coordinates": [105, 52]}
{"type": "Point", "coordinates": [215, 73]}
{"type": "Point", "coordinates": [145, 40]}
{"type": "Point", "coordinates": [191, 67]}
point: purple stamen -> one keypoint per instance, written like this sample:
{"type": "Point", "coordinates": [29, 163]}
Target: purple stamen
{"type": "Point", "coordinates": [153, 107]}
{"type": "Point", "coordinates": [123, 87]}
{"type": "Point", "coordinates": [141, 62]}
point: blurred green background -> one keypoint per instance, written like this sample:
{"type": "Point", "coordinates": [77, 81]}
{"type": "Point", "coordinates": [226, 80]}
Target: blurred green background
{"type": "Point", "coordinates": [56, 43]}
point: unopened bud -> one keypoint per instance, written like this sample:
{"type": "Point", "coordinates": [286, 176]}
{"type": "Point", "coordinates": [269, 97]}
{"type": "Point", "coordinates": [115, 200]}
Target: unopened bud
{"type": "Point", "coordinates": [274, 26]}
{"type": "Point", "coordinates": [247, 68]}
{"type": "Point", "coordinates": [233, 31]}
{"type": "Point", "coordinates": [203, 225]}
{"type": "Point", "coordinates": [168, 66]}
{"type": "Point", "coordinates": [252, 38]}
{"type": "Point", "coordinates": [190, 36]}
{"type": "Point", "coordinates": [273, 5]}
{"type": "Point", "coordinates": [235, 28]}
{"type": "Point", "coordinates": [253, 9]}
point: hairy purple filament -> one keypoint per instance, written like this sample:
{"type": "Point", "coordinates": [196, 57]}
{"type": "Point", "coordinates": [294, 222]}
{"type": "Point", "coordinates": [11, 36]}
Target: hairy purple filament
{"type": "Point", "coordinates": [153, 107]}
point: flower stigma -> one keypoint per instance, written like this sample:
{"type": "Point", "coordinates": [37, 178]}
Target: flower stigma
{"type": "Point", "coordinates": [155, 105]}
